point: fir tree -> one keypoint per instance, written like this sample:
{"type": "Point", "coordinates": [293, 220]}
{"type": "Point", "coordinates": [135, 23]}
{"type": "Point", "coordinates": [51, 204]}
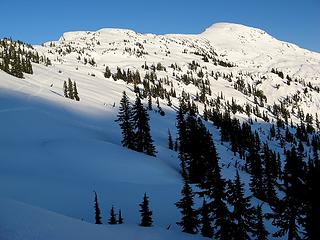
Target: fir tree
{"type": "Point", "coordinates": [243, 213]}
{"type": "Point", "coordinates": [107, 73]}
{"type": "Point", "coordinates": [125, 122]}
{"type": "Point", "coordinates": [97, 209]}
{"type": "Point", "coordinates": [170, 142]}
{"type": "Point", "coordinates": [143, 140]}
{"type": "Point", "coordinates": [189, 221]}
{"type": "Point", "coordinates": [213, 188]}
{"type": "Point", "coordinates": [149, 102]}
{"type": "Point", "coordinates": [260, 232]}
{"type": "Point", "coordinates": [70, 89]}
{"type": "Point", "coordinates": [120, 218]}
{"type": "Point", "coordinates": [145, 212]}
{"type": "Point", "coordinates": [75, 92]}
{"type": "Point", "coordinates": [112, 219]}
{"type": "Point", "coordinates": [287, 211]}
{"type": "Point", "coordinates": [206, 228]}
{"type": "Point", "coordinates": [65, 89]}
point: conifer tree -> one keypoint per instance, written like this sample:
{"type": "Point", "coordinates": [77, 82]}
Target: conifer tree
{"type": "Point", "coordinates": [243, 213]}
{"type": "Point", "coordinates": [145, 212]}
{"type": "Point", "coordinates": [213, 188]}
{"type": "Point", "coordinates": [70, 89]}
{"type": "Point", "coordinates": [206, 228]}
{"type": "Point", "coordinates": [170, 141]}
{"type": "Point", "coordinates": [260, 232]}
{"type": "Point", "coordinates": [143, 140]}
{"type": "Point", "coordinates": [75, 92]}
{"type": "Point", "coordinates": [189, 220]}
{"type": "Point", "coordinates": [112, 219]}
{"type": "Point", "coordinates": [65, 89]}
{"type": "Point", "coordinates": [126, 123]}
{"type": "Point", "coordinates": [120, 218]}
{"type": "Point", "coordinates": [287, 211]}
{"type": "Point", "coordinates": [107, 73]}
{"type": "Point", "coordinates": [97, 209]}
{"type": "Point", "coordinates": [149, 102]}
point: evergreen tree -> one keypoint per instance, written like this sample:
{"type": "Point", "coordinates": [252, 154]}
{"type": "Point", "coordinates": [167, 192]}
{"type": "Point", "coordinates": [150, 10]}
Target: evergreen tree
{"type": "Point", "coordinates": [65, 89]}
{"type": "Point", "coordinates": [170, 142]}
{"type": "Point", "coordinates": [112, 219]}
{"type": "Point", "coordinates": [149, 102]}
{"type": "Point", "coordinates": [125, 122]}
{"type": "Point", "coordinates": [107, 73]}
{"type": "Point", "coordinates": [206, 228]}
{"type": "Point", "coordinates": [287, 211]}
{"type": "Point", "coordinates": [189, 221]}
{"type": "Point", "coordinates": [120, 218]}
{"type": "Point", "coordinates": [145, 212]}
{"type": "Point", "coordinates": [213, 188]}
{"type": "Point", "coordinates": [70, 89]}
{"type": "Point", "coordinates": [75, 92]}
{"type": "Point", "coordinates": [243, 213]}
{"type": "Point", "coordinates": [260, 232]}
{"type": "Point", "coordinates": [143, 140]}
{"type": "Point", "coordinates": [97, 209]}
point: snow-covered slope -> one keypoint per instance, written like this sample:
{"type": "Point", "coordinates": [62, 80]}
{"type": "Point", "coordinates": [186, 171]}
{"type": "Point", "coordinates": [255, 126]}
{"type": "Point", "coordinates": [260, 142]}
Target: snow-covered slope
{"type": "Point", "coordinates": [54, 151]}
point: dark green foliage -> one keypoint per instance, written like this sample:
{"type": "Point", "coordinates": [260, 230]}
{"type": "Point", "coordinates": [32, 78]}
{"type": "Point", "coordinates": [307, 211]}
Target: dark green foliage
{"type": "Point", "coordinates": [70, 89]}
{"type": "Point", "coordinates": [243, 213]}
{"type": "Point", "coordinates": [260, 232]}
{"type": "Point", "coordinates": [112, 219]}
{"type": "Point", "coordinates": [170, 141]}
{"type": "Point", "coordinates": [97, 209]}
{"type": "Point", "coordinates": [287, 212]}
{"type": "Point", "coordinates": [126, 122]}
{"type": "Point", "coordinates": [75, 92]}
{"type": "Point", "coordinates": [140, 118]}
{"type": "Point", "coordinates": [189, 221]}
{"type": "Point", "coordinates": [16, 57]}
{"type": "Point", "coordinates": [120, 218]}
{"type": "Point", "coordinates": [65, 89]}
{"type": "Point", "coordinates": [205, 221]}
{"type": "Point", "coordinates": [145, 212]}
{"type": "Point", "coordinates": [107, 73]}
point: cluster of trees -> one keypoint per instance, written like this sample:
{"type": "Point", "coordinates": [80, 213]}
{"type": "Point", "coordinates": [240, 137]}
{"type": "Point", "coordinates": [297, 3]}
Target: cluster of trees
{"type": "Point", "coordinates": [70, 90]}
{"type": "Point", "coordinates": [134, 123]}
{"type": "Point", "coordinates": [16, 57]}
{"type": "Point", "coordinates": [145, 212]}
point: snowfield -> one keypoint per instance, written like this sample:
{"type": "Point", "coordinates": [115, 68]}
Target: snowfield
{"type": "Point", "coordinates": [54, 152]}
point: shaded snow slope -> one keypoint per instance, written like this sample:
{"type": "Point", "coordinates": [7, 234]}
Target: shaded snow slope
{"type": "Point", "coordinates": [35, 223]}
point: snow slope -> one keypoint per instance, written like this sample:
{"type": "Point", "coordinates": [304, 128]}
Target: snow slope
{"type": "Point", "coordinates": [35, 223]}
{"type": "Point", "coordinates": [54, 152]}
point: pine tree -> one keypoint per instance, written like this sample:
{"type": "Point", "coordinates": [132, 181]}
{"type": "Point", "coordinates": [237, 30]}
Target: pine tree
{"type": "Point", "coordinates": [65, 89]}
{"type": "Point", "coordinates": [97, 209]}
{"type": "Point", "coordinates": [107, 73]}
{"type": "Point", "coordinates": [125, 122]}
{"type": "Point", "coordinates": [149, 102]}
{"type": "Point", "coordinates": [213, 188]}
{"type": "Point", "coordinates": [112, 219]}
{"type": "Point", "coordinates": [120, 218]}
{"type": "Point", "coordinates": [145, 212]}
{"type": "Point", "coordinates": [206, 228]}
{"type": "Point", "coordinates": [170, 142]}
{"type": "Point", "coordinates": [189, 221]}
{"type": "Point", "coordinates": [243, 213]}
{"type": "Point", "coordinates": [75, 92]}
{"type": "Point", "coordinates": [143, 140]}
{"type": "Point", "coordinates": [287, 211]}
{"type": "Point", "coordinates": [260, 232]}
{"type": "Point", "coordinates": [70, 89]}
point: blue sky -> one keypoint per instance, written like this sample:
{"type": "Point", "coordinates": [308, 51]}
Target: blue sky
{"type": "Point", "coordinates": [36, 21]}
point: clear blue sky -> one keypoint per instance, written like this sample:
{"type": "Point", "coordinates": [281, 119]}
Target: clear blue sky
{"type": "Point", "coordinates": [36, 21]}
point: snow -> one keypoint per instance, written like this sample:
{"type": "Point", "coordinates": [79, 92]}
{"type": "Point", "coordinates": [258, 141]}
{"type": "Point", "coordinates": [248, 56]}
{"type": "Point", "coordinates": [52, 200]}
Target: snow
{"type": "Point", "coordinates": [54, 152]}
{"type": "Point", "coordinates": [36, 223]}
